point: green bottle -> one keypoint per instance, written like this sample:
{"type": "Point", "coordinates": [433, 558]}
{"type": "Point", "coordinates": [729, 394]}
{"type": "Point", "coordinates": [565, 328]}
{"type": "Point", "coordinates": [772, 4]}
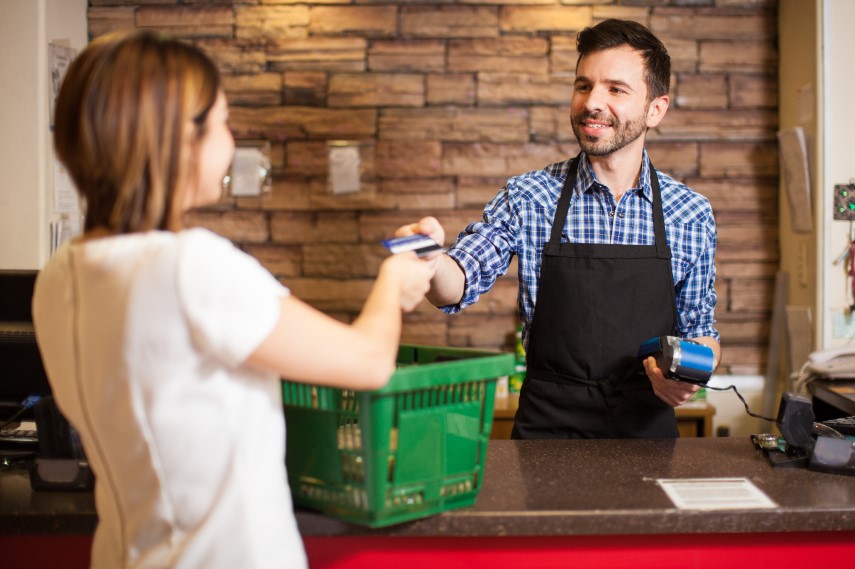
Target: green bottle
{"type": "Point", "coordinates": [515, 380]}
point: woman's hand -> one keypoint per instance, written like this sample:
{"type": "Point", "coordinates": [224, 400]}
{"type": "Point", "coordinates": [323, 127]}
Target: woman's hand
{"type": "Point", "coordinates": [412, 274]}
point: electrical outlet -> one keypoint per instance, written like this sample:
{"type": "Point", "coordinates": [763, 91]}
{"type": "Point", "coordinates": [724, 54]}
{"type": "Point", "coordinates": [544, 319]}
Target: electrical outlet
{"type": "Point", "coordinates": [844, 202]}
{"type": "Point", "coordinates": [345, 167]}
{"type": "Point", "coordinates": [250, 173]}
{"type": "Point", "coordinates": [843, 325]}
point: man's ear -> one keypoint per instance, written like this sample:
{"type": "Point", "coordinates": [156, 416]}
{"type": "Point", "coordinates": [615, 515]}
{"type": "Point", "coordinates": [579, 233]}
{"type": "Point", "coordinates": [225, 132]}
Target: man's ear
{"type": "Point", "coordinates": [656, 110]}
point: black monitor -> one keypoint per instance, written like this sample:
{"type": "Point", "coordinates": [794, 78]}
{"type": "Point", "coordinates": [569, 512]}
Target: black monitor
{"type": "Point", "coordinates": [21, 370]}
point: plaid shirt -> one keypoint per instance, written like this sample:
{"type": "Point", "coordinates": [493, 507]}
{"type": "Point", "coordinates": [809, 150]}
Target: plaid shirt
{"type": "Point", "coordinates": [518, 222]}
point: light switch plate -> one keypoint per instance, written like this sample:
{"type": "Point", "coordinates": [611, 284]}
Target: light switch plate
{"type": "Point", "coordinates": [344, 168]}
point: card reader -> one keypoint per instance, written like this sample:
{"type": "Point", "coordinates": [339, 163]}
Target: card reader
{"type": "Point", "coordinates": [680, 359]}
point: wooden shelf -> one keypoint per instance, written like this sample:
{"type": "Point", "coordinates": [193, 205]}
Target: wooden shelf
{"type": "Point", "coordinates": [693, 419]}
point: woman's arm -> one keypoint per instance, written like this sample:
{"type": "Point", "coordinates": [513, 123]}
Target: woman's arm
{"type": "Point", "coordinates": [308, 346]}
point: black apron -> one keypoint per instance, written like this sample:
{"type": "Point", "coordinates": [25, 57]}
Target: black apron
{"type": "Point", "coordinates": [597, 303]}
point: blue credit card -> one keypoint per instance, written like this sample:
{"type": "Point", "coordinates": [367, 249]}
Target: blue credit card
{"type": "Point", "coordinates": [421, 244]}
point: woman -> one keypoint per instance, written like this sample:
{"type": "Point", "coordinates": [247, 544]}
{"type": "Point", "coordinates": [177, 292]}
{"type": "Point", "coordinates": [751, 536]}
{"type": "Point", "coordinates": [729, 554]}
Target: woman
{"type": "Point", "coordinates": [164, 346]}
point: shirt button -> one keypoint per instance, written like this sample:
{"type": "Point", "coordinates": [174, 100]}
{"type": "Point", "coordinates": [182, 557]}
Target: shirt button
{"type": "Point", "coordinates": [620, 215]}
{"type": "Point", "coordinates": [611, 213]}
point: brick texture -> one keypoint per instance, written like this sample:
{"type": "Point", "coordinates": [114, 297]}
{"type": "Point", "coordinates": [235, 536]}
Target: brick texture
{"type": "Point", "coordinates": [446, 99]}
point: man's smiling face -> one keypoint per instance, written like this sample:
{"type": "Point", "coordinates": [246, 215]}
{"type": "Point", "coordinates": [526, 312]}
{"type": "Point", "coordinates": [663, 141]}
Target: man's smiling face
{"type": "Point", "coordinates": [610, 109]}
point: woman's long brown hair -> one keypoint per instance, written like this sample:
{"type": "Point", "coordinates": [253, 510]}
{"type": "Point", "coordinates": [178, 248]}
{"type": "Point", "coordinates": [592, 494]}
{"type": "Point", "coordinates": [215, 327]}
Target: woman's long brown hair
{"type": "Point", "coordinates": [130, 111]}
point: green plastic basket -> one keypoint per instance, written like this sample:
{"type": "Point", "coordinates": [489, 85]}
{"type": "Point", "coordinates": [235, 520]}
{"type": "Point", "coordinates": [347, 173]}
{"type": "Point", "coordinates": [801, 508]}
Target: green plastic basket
{"type": "Point", "coordinates": [412, 449]}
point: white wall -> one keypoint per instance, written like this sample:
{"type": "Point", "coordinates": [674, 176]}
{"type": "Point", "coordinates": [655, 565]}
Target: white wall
{"type": "Point", "coordinates": [26, 156]}
{"type": "Point", "coordinates": [838, 117]}
{"type": "Point", "coordinates": [729, 410]}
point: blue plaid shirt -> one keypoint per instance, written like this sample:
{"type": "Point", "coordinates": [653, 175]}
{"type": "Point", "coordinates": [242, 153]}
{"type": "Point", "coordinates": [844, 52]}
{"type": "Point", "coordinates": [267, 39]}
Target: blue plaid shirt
{"type": "Point", "coordinates": [518, 222]}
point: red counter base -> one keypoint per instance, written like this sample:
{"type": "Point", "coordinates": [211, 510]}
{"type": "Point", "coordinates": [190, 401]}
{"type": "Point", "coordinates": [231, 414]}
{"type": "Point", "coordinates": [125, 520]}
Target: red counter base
{"type": "Point", "coordinates": [802, 550]}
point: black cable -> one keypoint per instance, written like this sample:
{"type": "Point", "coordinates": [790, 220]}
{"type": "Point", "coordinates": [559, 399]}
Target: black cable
{"type": "Point", "coordinates": [741, 398]}
{"type": "Point", "coordinates": [27, 403]}
{"type": "Point", "coordinates": [14, 416]}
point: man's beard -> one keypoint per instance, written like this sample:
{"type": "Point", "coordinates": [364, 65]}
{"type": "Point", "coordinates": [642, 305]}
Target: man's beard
{"type": "Point", "coordinates": [623, 133]}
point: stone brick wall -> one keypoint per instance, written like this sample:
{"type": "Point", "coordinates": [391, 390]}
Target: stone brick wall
{"type": "Point", "coordinates": [447, 98]}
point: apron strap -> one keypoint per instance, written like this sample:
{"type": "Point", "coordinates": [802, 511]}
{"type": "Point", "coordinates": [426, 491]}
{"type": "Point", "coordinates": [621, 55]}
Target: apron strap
{"type": "Point", "coordinates": [662, 249]}
{"type": "Point", "coordinates": [563, 205]}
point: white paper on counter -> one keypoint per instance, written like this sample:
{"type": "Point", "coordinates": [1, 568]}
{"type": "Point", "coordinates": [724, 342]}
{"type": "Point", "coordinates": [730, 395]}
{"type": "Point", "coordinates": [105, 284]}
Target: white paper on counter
{"type": "Point", "coordinates": [715, 494]}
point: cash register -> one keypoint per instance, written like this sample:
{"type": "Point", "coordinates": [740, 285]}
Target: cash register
{"type": "Point", "coordinates": [22, 376]}
{"type": "Point", "coordinates": [33, 432]}
{"type": "Point", "coordinates": [826, 446]}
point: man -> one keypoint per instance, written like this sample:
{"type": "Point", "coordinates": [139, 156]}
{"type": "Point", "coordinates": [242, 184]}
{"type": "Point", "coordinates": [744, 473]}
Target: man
{"type": "Point", "coordinates": [611, 253]}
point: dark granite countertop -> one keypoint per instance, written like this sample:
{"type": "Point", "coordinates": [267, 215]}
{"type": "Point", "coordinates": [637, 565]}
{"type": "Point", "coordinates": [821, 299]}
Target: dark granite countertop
{"type": "Point", "coordinates": [608, 487]}
{"type": "Point", "coordinates": [23, 511]}
{"type": "Point", "coordinates": [605, 487]}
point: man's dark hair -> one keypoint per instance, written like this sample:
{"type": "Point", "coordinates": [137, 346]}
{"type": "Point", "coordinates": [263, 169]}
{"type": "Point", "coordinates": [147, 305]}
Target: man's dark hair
{"type": "Point", "coordinates": [613, 33]}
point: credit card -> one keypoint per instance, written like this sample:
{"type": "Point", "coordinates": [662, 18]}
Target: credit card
{"type": "Point", "coordinates": [421, 244]}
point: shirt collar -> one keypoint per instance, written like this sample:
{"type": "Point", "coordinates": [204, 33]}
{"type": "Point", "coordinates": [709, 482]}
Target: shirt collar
{"type": "Point", "coordinates": [586, 179]}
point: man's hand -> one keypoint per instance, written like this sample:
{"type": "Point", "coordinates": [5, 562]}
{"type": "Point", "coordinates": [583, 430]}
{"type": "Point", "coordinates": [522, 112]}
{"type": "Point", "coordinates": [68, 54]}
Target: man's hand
{"type": "Point", "coordinates": [449, 280]}
{"type": "Point", "coordinates": [429, 226]}
{"type": "Point", "coordinates": [672, 392]}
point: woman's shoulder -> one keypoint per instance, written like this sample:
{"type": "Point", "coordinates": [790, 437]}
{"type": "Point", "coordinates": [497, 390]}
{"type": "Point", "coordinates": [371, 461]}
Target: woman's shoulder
{"type": "Point", "coordinates": [202, 252]}
{"type": "Point", "coordinates": [199, 245]}
{"type": "Point", "coordinates": [202, 237]}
